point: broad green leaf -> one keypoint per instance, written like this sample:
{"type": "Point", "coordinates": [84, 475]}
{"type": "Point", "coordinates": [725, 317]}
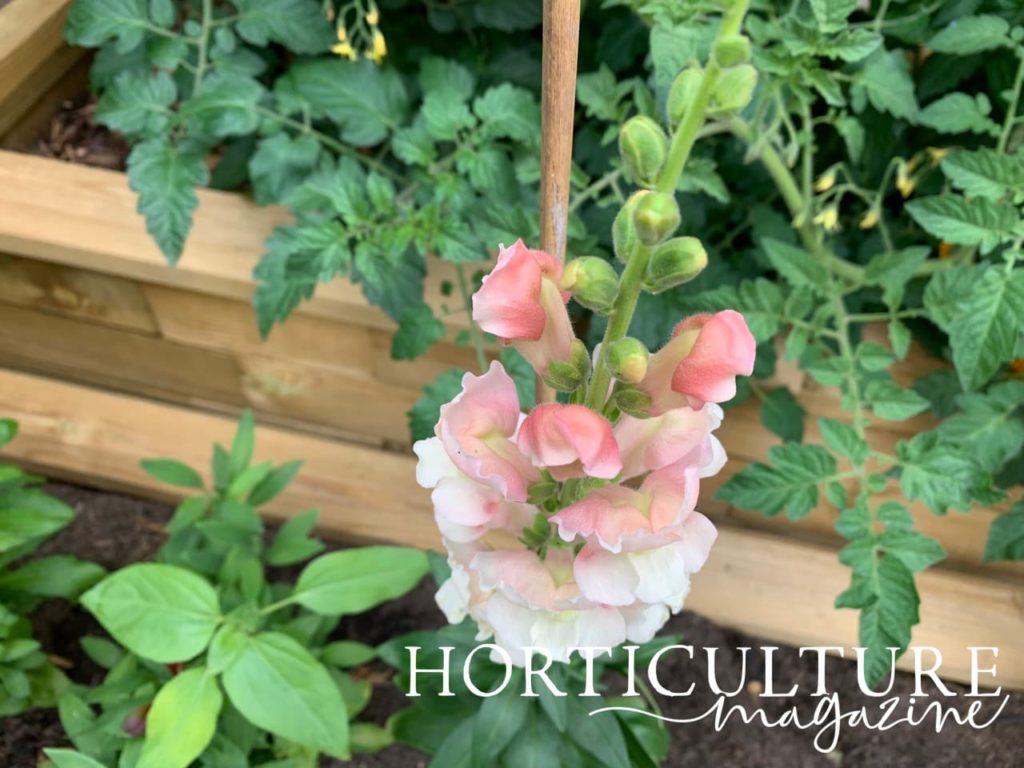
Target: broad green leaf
{"type": "Point", "coordinates": [225, 105]}
{"type": "Point", "coordinates": [69, 758]}
{"type": "Point", "coordinates": [366, 101]}
{"type": "Point", "coordinates": [912, 548]}
{"type": "Point", "coordinates": [789, 481]}
{"type": "Point", "coordinates": [782, 415]}
{"type": "Point", "coordinates": [850, 44]}
{"type": "Point", "coordinates": [873, 357]}
{"type": "Point", "coordinates": [243, 444]}
{"type": "Point", "coordinates": [425, 413]}
{"type": "Point", "coordinates": [986, 324]}
{"type": "Point", "coordinates": [414, 144]}
{"type": "Point", "coordinates": [347, 653]}
{"type": "Point", "coordinates": [457, 749]}
{"type": "Point", "coordinates": [226, 648]}
{"type": "Point", "coordinates": [279, 164]}
{"type": "Point", "coordinates": [138, 104]}
{"type": "Point", "coordinates": [536, 743]}
{"type": "Point", "coordinates": [971, 34]}
{"type": "Point", "coordinates": [182, 720]}
{"type": "Point", "coordinates": [891, 271]}
{"type": "Point", "coordinates": [885, 81]}
{"type": "Point", "coordinates": [986, 173]}
{"type": "Point", "coordinates": [278, 686]}
{"type": "Point", "coordinates": [172, 472]}
{"type": "Point", "coordinates": [91, 23]}
{"type": "Point", "coordinates": [1006, 536]}
{"type": "Point", "coordinates": [892, 402]}
{"type": "Point", "coordinates": [981, 222]}
{"type": "Point", "coordinates": [960, 113]}
{"type": "Point", "coordinates": [160, 612]}
{"type": "Point", "coordinates": [601, 740]}
{"type": "Point", "coordinates": [509, 112]}
{"type": "Point", "coordinates": [299, 25]}
{"type": "Point", "coordinates": [795, 264]}
{"type": "Point", "coordinates": [439, 75]}
{"type": "Point", "coordinates": [416, 333]}
{"type": "Point", "coordinates": [52, 576]}
{"type": "Point", "coordinates": [445, 115]}
{"type": "Point", "coordinates": [165, 177]}
{"type": "Point", "coordinates": [369, 737]}
{"type": "Point", "coordinates": [939, 475]}
{"type": "Point", "coordinates": [499, 721]}
{"type": "Point", "coordinates": [355, 580]}
{"type": "Point", "coordinates": [843, 439]}
{"type": "Point", "coordinates": [27, 514]}
{"type": "Point", "coordinates": [600, 93]}
{"type": "Point", "coordinates": [831, 15]}
{"type": "Point", "coordinates": [989, 426]}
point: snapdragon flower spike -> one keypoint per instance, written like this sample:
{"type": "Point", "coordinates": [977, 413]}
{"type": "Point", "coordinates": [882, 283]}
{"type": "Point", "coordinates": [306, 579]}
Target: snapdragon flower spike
{"type": "Point", "coordinates": [521, 303]}
{"type": "Point", "coordinates": [700, 362]}
{"type": "Point", "coordinates": [570, 441]}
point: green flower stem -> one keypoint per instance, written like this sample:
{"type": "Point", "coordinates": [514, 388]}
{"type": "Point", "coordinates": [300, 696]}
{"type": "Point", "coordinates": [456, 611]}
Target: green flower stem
{"type": "Point", "coordinates": [608, 180]}
{"type": "Point", "coordinates": [204, 44]}
{"type": "Point", "coordinates": [1011, 110]}
{"type": "Point", "coordinates": [794, 200]}
{"type": "Point", "coordinates": [475, 333]}
{"type": "Point", "coordinates": [679, 152]}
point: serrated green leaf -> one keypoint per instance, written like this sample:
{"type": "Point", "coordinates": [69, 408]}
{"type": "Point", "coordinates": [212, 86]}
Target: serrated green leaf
{"type": "Point", "coordinates": [844, 440]}
{"type": "Point", "coordinates": [417, 332]}
{"type": "Point", "coordinates": [892, 402]}
{"type": "Point", "coordinates": [1006, 536]}
{"type": "Point", "coordinates": [280, 164]}
{"type": "Point", "coordinates": [138, 104]}
{"type": "Point", "coordinates": [91, 23]}
{"type": "Point", "coordinates": [299, 25]}
{"type": "Point", "coordinates": [887, 621]}
{"type": "Point", "coordinates": [980, 222]}
{"type": "Point", "coordinates": [795, 264]}
{"type": "Point", "coordinates": [509, 112]}
{"type": "Point", "coordinates": [831, 15]}
{"type": "Point", "coordinates": [912, 548]}
{"type": "Point", "coordinates": [986, 324]}
{"type": "Point", "coordinates": [873, 357]}
{"type": "Point", "coordinates": [425, 412]}
{"type": "Point", "coordinates": [366, 101]}
{"type": "Point", "coordinates": [165, 178]}
{"type": "Point", "coordinates": [939, 475]}
{"type": "Point", "coordinates": [445, 114]}
{"type": "Point", "coordinates": [960, 113]}
{"type": "Point", "coordinates": [789, 481]}
{"type": "Point", "coordinates": [782, 415]}
{"type": "Point", "coordinates": [891, 271]}
{"type": "Point", "coordinates": [989, 426]}
{"type": "Point", "coordinates": [225, 105]}
{"type": "Point", "coordinates": [885, 81]}
{"type": "Point", "coordinates": [972, 34]}
{"type": "Point", "coordinates": [986, 173]}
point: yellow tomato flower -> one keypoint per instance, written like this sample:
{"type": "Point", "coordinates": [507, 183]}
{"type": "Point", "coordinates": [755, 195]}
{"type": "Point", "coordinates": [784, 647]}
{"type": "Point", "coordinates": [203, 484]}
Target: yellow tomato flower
{"type": "Point", "coordinates": [373, 17]}
{"type": "Point", "coordinates": [380, 48]}
{"type": "Point", "coordinates": [825, 182]}
{"type": "Point", "coordinates": [342, 33]}
{"type": "Point", "coordinates": [344, 49]}
{"type": "Point", "coordinates": [870, 219]}
{"type": "Point", "coordinates": [828, 219]}
{"type": "Point", "coordinates": [904, 181]}
{"type": "Point", "coordinates": [937, 153]}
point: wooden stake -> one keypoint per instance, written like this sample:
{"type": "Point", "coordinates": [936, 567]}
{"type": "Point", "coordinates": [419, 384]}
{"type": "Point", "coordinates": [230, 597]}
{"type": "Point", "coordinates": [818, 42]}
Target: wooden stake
{"type": "Point", "coordinates": [558, 104]}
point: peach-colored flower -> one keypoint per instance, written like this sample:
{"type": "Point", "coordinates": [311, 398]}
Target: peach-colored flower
{"type": "Point", "coordinates": [476, 430]}
{"type": "Point", "coordinates": [680, 435]}
{"type": "Point", "coordinates": [520, 302]}
{"type": "Point", "coordinates": [701, 362]}
{"type": "Point", "coordinates": [570, 441]}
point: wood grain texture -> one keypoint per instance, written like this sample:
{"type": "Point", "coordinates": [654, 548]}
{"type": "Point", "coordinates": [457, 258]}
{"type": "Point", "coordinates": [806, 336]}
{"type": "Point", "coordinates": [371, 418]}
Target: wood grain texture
{"type": "Point", "coordinates": [757, 581]}
{"type": "Point", "coordinates": [33, 55]}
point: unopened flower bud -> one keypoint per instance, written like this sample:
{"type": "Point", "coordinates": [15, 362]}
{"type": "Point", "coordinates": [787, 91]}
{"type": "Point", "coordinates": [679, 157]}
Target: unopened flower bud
{"type": "Point", "coordinates": [732, 50]}
{"type": "Point", "coordinates": [682, 93]}
{"type": "Point", "coordinates": [568, 376]}
{"type": "Point", "coordinates": [627, 360]}
{"type": "Point", "coordinates": [592, 281]}
{"type": "Point", "coordinates": [675, 262]}
{"type": "Point", "coordinates": [656, 217]}
{"type": "Point", "coordinates": [733, 90]}
{"type": "Point", "coordinates": [632, 401]}
{"type": "Point", "coordinates": [624, 239]}
{"type": "Point", "coordinates": [643, 146]}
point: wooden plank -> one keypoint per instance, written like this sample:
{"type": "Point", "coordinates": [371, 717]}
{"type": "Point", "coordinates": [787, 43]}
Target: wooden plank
{"type": "Point", "coordinates": [33, 54]}
{"type": "Point", "coordinates": [103, 232]}
{"type": "Point", "coordinates": [761, 583]}
{"type": "Point", "coordinates": [73, 293]}
{"type": "Point", "coordinates": [29, 124]}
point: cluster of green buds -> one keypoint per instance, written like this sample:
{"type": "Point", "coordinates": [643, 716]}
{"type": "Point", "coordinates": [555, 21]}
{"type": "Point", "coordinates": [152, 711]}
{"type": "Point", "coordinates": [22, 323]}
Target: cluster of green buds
{"type": "Point", "coordinates": [734, 87]}
{"type": "Point", "coordinates": [568, 376]}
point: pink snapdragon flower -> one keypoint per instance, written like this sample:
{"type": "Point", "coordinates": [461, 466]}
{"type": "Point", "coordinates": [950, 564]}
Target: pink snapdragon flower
{"type": "Point", "coordinates": [520, 303]}
{"type": "Point", "coordinates": [700, 363]}
{"type": "Point", "coordinates": [570, 441]}
{"type": "Point", "coordinates": [476, 430]}
{"type": "Point", "coordinates": [680, 435]}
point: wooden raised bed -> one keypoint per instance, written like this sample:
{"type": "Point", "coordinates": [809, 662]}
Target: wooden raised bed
{"type": "Point", "coordinates": [108, 356]}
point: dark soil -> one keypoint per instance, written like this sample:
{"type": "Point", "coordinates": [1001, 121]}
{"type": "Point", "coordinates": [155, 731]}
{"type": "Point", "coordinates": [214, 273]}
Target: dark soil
{"type": "Point", "coordinates": [72, 134]}
{"type": "Point", "coordinates": [115, 530]}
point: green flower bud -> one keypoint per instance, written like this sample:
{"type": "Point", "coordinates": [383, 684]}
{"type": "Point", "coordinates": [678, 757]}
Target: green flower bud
{"type": "Point", "coordinates": [627, 360]}
{"type": "Point", "coordinates": [682, 93]}
{"type": "Point", "coordinates": [656, 217]}
{"type": "Point", "coordinates": [732, 50]}
{"type": "Point", "coordinates": [568, 376]}
{"type": "Point", "coordinates": [675, 262]}
{"type": "Point", "coordinates": [643, 146]}
{"type": "Point", "coordinates": [632, 401]}
{"type": "Point", "coordinates": [734, 90]}
{"type": "Point", "coordinates": [541, 491]}
{"type": "Point", "coordinates": [624, 238]}
{"type": "Point", "coordinates": [593, 282]}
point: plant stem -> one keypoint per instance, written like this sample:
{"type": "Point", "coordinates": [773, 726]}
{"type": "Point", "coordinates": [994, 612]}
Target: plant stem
{"type": "Point", "coordinates": [204, 43]}
{"type": "Point", "coordinates": [1011, 113]}
{"type": "Point", "coordinates": [608, 180]}
{"type": "Point", "coordinates": [794, 200]}
{"type": "Point", "coordinates": [679, 152]}
{"type": "Point", "coordinates": [475, 333]}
